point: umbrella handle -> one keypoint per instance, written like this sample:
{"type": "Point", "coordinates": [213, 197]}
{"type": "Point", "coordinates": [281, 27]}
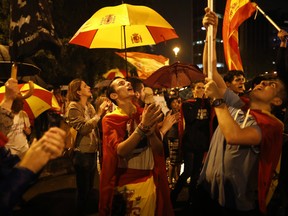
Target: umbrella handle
{"type": "Point", "coordinates": [14, 69]}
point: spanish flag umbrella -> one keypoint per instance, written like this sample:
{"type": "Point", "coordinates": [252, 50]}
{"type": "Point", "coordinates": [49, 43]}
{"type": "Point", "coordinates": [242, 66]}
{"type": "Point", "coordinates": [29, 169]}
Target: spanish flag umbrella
{"type": "Point", "coordinates": [123, 26]}
{"type": "Point", "coordinates": [40, 101]}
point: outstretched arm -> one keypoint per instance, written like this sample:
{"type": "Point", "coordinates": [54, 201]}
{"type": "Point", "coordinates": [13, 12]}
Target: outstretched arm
{"type": "Point", "coordinates": [281, 60]}
{"type": "Point", "coordinates": [233, 133]}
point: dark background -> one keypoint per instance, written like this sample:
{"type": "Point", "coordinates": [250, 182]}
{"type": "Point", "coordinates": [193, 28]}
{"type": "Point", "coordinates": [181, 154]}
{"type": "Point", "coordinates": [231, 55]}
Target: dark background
{"type": "Point", "coordinates": [257, 38]}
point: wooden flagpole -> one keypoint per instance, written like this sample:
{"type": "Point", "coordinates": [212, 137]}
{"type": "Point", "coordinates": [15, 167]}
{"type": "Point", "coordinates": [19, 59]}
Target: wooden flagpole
{"type": "Point", "coordinates": [268, 18]}
{"type": "Point", "coordinates": [210, 43]}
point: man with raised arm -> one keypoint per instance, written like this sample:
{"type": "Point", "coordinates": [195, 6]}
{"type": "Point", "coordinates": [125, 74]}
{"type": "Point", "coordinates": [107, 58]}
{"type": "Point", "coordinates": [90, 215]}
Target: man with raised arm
{"type": "Point", "coordinates": [246, 146]}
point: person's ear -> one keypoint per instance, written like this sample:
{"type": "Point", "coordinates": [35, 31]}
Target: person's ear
{"type": "Point", "coordinates": [114, 96]}
{"type": "Point", "coordinates": [277, 101]}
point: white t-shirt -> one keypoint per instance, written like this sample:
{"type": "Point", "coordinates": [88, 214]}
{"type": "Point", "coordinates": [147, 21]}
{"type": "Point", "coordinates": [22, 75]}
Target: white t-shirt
{"type": "Point", "coordinates": [17, 139]}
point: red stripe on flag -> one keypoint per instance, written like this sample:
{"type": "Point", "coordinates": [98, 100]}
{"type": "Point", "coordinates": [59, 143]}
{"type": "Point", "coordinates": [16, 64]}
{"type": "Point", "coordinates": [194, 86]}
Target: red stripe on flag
{"type": "Point", "coordinates": [236, 12]}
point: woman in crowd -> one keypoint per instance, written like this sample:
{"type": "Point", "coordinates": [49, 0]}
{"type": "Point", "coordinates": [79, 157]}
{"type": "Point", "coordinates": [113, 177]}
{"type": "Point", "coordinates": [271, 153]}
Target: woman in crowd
{"type": "Point", "coordinates": [82, 116]}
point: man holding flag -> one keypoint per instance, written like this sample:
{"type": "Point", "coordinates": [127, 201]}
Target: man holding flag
{"type": "Point", "coordinates": [240, 172]}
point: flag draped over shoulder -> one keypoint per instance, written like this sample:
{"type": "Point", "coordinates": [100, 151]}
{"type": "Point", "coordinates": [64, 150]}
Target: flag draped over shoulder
{"type": "Point", "coordinates": [31, 28]}
{"type": "Point", "coordinates": [236, 12]}
{"type": "Point", "coordinates": [145, 63]}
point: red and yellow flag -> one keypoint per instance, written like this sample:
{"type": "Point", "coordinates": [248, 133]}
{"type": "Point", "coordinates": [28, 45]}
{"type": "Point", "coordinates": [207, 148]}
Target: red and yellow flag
{"type": "Point", "coordinates": [145, 63]}
{"type": "Point", "coordinates": [236, 12]}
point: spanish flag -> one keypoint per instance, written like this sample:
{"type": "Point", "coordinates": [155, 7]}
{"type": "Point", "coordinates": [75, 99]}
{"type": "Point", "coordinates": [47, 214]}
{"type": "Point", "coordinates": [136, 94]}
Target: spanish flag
{"type": "Point", "coordinates": [236, 12]}
{"type": "Point", "coordinates": [146, 64]}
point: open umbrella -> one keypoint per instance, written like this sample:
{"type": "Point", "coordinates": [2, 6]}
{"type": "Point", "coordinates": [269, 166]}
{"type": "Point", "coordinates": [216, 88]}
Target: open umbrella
{"type": "Point", "coordinates": [123, 26]}
{"type": "Point", "coordinates": [40, 101]}
{"type": "Point", "coordinates": [24, 69]}
{"type": "Point", "coordinates": [174, 75]}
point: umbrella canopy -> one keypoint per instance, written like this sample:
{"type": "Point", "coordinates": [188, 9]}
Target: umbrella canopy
{"type": "Point", "coordinates": [175, 75]}
{"type": "Point", "coordinates": [123, 26]}
{"type": "Point", "coordinates": [40, 101]}
{"type": "Point", "coordinates": [24, 69]}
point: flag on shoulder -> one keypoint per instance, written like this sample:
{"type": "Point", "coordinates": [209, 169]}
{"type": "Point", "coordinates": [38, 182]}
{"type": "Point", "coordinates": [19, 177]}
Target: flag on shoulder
{"type": "Point", "coordinates": [31, 28]}
{"type": "Point", "coordinates": [236, 12]}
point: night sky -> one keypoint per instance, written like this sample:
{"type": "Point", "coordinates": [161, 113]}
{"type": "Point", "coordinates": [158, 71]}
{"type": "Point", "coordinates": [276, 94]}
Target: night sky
{"type": "Point", "coordinates": [177, 13]}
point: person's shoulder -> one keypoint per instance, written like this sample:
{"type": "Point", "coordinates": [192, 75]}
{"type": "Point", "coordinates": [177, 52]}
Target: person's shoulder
{"type": "Point", "coordinates": [73, 105]}
{"type": "Point", "coordinates": [23, 113]}
{"type": "Point", "coordinates": [189, 101]}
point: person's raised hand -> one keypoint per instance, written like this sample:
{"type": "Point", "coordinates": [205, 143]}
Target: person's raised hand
{"type": "Point", "coordinates": [169, 120]}
{"type": "Point", "coordinates": [11, 92]}
{"type": "Point", "coordinates": [151, 115]}
{"type": "Point", "coordinates": [211, 89]}
{"type": "Point", "coordinates": [210, 18]}
{"type": "Point", "coordinates": [49, 146]}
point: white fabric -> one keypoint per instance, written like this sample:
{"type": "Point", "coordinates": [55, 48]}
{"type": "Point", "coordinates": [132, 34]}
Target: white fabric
{"type": "Point", "coordinates": [18, 143]}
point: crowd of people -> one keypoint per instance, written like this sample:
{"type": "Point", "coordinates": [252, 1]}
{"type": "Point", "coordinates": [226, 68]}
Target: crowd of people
{"type": "Point", "coordinates": [231, 141]}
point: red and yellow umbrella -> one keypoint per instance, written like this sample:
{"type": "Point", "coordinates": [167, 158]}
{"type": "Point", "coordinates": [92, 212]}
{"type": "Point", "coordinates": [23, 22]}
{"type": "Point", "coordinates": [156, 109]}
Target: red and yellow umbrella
{"type": "Point", "coordinates": [40, 101]}
{"type": "Point", "coordinates": [123, 26]}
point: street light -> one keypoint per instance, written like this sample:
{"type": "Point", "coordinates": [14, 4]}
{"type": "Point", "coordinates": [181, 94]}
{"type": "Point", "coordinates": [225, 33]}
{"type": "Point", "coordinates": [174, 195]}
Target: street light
{"type": "Point", "coordinates": [176, 50]}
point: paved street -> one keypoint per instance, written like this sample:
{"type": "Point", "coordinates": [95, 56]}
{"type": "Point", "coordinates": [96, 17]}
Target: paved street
{"type": "Point", "coordinates": [53, 194]}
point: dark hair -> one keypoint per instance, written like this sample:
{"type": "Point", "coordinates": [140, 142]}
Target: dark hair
{"type": "Point", "coordinates": [110, 89]}
{"type": "Point", "coordinates": [229, 76]}
{"type": "Point", "coordinates": [136, 83]}
{"type": "Point", "coordinates": [282, 92]}
{"type": "Point", "coordinates": [256, 80]}
{"type": "Point", "coordinates": [169, 100]}
{"type": "Point", "coordinates": [17, 105]}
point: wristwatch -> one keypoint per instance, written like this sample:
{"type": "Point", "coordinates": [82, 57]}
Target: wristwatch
{"type": "Point", "coordinates": [217, 102]}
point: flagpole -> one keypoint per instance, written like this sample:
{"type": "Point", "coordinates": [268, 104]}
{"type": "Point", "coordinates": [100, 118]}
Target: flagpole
{"type": "Point", "coordinates": [268, 18]}
{"type": "Point", "coordinates": [125, 50]}
{"type": "Point", "coordinates": [210, 43]}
